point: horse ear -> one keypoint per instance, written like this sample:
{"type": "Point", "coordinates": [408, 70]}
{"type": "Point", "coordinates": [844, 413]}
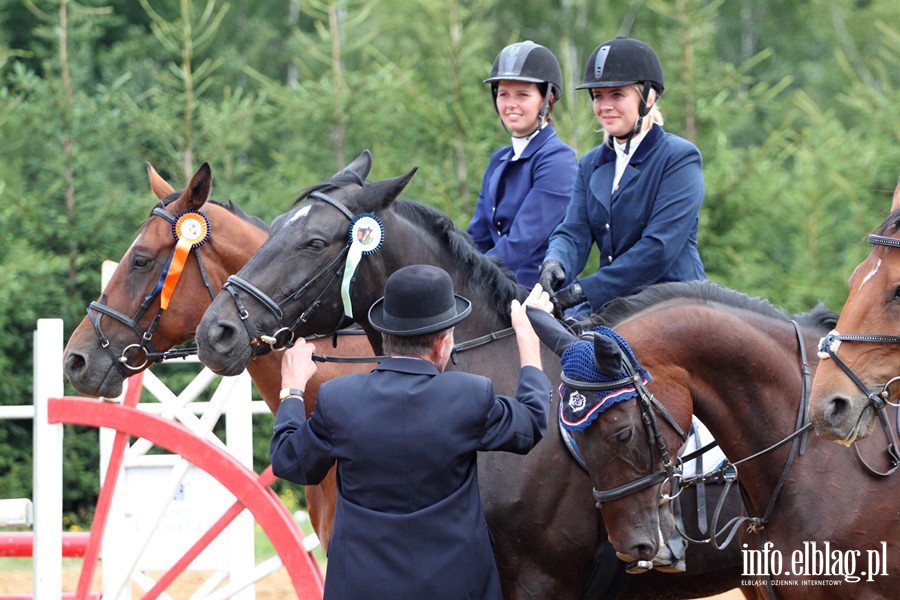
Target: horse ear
{"type": "Point", "coordinates": [381, 193]}
{"type": "Point", "coordinates": [360, 166]}
{"type": "Point", "coordinates": [197, 191]}
{"type": "Point", "coordinates": [159, 186]}
{"type": "Point", "coordinates": [896, 202]}
{"type": "Point", "coordinates": [550, 331]}
{"type": "Point", "coordinates": [607, 355]}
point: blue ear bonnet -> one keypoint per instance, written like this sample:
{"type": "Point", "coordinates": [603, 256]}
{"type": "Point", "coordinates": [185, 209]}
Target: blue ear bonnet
{"type": "Point", "coordinates": [579, 408]}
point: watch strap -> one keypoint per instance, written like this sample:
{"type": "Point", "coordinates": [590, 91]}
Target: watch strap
{"type": "Point", "coordinates": [285, 392]}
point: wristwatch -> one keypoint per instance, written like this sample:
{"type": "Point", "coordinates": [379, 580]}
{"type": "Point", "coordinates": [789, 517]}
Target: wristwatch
{"type": "Point", "coordinates": [288, 392]}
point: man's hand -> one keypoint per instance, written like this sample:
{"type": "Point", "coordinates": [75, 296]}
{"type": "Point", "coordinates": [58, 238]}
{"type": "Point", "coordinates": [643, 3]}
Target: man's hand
{"type": "Point", "coordinates": [539, 298]}
{"type": "Point", "coordinates": [569, 297]}
{"type": "Point", "coordinates": [552, 275]}
{"type": "Point", "coordinates": [297, 366]}
{"type": "Point", "coordinates": [529, 344]}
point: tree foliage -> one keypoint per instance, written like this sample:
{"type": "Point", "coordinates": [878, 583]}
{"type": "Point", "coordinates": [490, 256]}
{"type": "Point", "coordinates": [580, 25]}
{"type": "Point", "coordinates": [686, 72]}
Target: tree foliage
{"type": "Point", "coordinates": [789, 103]}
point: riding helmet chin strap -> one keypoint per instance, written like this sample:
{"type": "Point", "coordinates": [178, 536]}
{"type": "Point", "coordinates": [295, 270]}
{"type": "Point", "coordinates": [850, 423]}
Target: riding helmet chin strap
{"type": "Point", "coordinates": [643, 109]}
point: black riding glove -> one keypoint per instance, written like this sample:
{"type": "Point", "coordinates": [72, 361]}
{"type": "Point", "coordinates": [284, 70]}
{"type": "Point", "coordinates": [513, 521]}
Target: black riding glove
{"type": "Point", "coordinates": [569, 297]}
{"type": "Point", "coordinates": [552, 275]}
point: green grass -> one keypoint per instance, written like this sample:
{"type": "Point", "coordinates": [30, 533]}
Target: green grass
{"type": "Point", "coordinates": [264, 549]}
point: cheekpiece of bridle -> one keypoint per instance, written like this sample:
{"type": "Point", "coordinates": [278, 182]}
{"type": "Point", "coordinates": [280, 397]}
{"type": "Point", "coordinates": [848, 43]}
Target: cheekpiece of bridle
{"type": "Point", "coordinates": [659, 451]}
{"type": "Point", "coordinates": [285, 334]}
{"type": "Point", "coordinates": [137, 356]}
{"type": "Point", "coordinates": [828, 348]}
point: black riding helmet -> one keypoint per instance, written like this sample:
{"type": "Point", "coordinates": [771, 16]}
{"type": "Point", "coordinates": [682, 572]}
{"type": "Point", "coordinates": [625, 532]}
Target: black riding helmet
{"type": "Point", "coordinates": [625, 61]}
{"type": "Point", "coordinates": [527, 61]}
{"type": "Point", "coordinates": [621, 62]}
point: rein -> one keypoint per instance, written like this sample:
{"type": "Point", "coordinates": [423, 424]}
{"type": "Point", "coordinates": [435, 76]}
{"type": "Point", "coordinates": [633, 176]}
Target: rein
{"type": "Point", "coordinates": [143, 350]}
{"type": "Point", "coordinates": [728, 471]}
{"type": "Point", "coordinates": [457, 348]}
{"type": "Point", "coordinates": [828, 348]}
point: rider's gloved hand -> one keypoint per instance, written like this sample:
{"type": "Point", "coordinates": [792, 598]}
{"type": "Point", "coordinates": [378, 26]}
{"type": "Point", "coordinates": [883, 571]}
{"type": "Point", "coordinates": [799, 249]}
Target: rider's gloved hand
{"type": "Point", "coordinates": [569, 297]}
{"type": "Point", "coordinates": [552, 276]}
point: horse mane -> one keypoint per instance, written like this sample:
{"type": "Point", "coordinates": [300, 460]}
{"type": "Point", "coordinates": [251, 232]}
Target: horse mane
{"type": "Point", "coordinates": [619, 309]}
{"type": "Point", "coordinates": [228, 205]}
{"type": "Point", "coordinates": [478, 270]}
{"type": "Point", "coordinates": [820, 317]}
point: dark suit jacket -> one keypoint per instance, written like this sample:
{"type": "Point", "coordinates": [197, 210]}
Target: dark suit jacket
{"type": "Point", "coordinates": [409, 521]}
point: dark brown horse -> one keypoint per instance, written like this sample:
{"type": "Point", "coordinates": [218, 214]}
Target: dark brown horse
{"type": "Point", "coordinates": [128, 320]}
{"type": "Point", "coordinates": [741, 365]}
{"type": "Point", "coordinates": [854, 384]}
{"type": "Point", "coordinates": [548, 538]}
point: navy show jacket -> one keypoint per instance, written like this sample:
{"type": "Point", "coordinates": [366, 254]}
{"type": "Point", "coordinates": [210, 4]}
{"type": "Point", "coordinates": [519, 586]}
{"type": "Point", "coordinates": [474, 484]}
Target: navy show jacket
{"type": "Point", "coordinates": [409, 521]}
{"type": "Point", "coordinates": [522, 201]}
{"type": "Point", "coordinates": [646, 229]}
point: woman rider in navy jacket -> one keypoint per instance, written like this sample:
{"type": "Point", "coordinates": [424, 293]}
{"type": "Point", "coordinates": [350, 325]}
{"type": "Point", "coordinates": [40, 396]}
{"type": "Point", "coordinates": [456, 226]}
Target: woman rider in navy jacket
{"type": "Point", "coordinates": [637, 195]}
{"type": "Point", "coordinates": [527, 185]}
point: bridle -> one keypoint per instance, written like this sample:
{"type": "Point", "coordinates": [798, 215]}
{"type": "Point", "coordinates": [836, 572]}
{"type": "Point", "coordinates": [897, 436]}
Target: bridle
{"type": "Point", "coordinates": [828, 348]}
{"type": "Point", "coordinates": [284, 335]}
{"type": "Point", "coordinates": [143, 351]}
{"type": "Point", "coordinates": [659, 450]}
{"type": "Point", "coordinates": [650, 407]}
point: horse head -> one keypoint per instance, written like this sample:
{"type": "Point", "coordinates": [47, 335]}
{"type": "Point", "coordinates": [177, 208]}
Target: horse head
{"type": "Point", "coordinates": [298, 283]}
{"type": "Point", "coordinates": [852, 387]}
{"type": "Point", "coordinates": [619, 441]}
{"type": "Point", "coordinates": [161, 286]}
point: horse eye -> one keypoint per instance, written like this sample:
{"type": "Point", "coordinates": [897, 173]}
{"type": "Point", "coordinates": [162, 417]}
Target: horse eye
{"type": "Point", "coordinates": [896, 294]}
{"type": "Point", "coordinates": [140, 262]}
{"type": "Point", "coordinates": [624, 435]}
{"type": "Point", "coordinates": [315, 244]}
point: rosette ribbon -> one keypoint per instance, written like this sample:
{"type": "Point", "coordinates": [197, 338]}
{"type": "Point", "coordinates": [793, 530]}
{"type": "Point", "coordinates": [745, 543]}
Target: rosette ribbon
{"type": "Point", "coordinates": [191, 230]}
{"type": "Point", "coordinates": [366, 234]}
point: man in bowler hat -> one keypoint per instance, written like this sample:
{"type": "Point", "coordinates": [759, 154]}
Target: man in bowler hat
{"type": "Point", "coordinates": [409, 521]}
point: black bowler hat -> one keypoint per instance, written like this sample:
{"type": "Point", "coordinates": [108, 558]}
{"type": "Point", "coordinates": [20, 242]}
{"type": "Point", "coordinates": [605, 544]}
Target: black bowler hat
{"type": "Point", "coordinates": [418, 299]}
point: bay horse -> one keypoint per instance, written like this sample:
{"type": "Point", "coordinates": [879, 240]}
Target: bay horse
{"type": "Point", "coordinates": [110, 345]}
{"type": "Point", "coordinates": [854, 384]}
{"type": "Point", "coordinates": [549, 541]}
{"type": "Point", "coordinates": [743, 368]}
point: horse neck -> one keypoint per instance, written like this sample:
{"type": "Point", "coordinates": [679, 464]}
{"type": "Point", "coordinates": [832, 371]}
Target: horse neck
{"type": "Point", "coordinates": [419, 247]}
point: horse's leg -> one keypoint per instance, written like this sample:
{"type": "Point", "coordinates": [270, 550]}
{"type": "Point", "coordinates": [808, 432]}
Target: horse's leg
{"type": "Point", "coordinates": [544, 524]}
{"type": "Point", "coordinates": [320, 504]}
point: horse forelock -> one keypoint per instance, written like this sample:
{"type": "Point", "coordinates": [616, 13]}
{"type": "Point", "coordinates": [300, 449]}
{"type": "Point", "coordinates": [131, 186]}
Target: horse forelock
{"type": "Point", "coordinates": [342, 179]}
{"type": "Point", "coordinates": [228, 205]}
{"type": "Point", "coordinates": [891, 224]}
{"type": "Point", "coordinates": [319, 187]}
{"type": "Point", "coordinates": [476, 269]}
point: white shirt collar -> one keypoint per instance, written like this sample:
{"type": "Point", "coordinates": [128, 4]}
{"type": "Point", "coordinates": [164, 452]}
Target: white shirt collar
{"type": "Point", "coordinates": [622, 158]}
{"type": "Point", "coordinates": [519, 144]}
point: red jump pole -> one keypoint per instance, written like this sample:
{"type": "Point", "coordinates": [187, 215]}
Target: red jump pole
{"type": "Point", "coordinates": [20, 544]}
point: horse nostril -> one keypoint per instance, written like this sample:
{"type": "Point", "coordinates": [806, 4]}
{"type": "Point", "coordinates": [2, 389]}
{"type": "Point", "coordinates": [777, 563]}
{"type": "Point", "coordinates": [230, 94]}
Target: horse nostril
{"type": "Point", "coordinates": [644, 551]}
{"type": "Point", "coordinates": [75, 362]}
{"type": "Point", "coordinates": [222, 336]}
{"type": "Point", "coordinates": [838, 406]}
